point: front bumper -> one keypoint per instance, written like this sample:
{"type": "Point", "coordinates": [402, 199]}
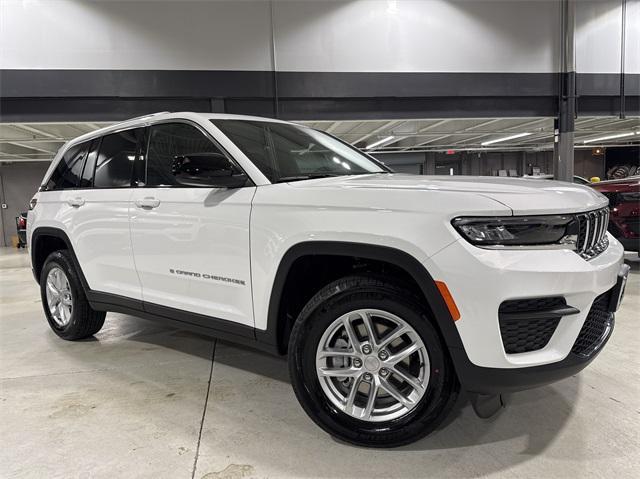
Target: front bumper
{"type": "Point", "coordinates": [490, 381]}
{"type": "Point", "coordinates": [480, 280]}
{"type": "Point", "coordinates": [630, 244]}
{"type": "Point", "coordinates": [593, 336]}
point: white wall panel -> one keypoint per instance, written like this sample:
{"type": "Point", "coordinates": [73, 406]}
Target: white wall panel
{"type": "Point", "coordinates": [598, 27]}
{"type": "Point", "coordinates": [599, 34]}
{"type": "Point", "coordinates": [134, 35]}
{"type": "Point", "coordinates": [359, 35]}
{"type": "Point", "coordinates": [418, 36]}
{"type": "Point", "coordinates": [632, 63]}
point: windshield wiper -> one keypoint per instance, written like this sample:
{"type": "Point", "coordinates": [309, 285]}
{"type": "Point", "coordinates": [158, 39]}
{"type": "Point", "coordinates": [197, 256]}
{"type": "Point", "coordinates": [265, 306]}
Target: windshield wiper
{"type": "Point", "coordinates": [310, 176]}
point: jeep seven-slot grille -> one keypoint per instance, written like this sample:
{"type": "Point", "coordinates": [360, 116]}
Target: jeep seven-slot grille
{"type": "Point", "coordinates": [528, 324]}
{"type": "Point", "coordinates": [596, 327]}
{"type": "Point", "coordinates": [592, 232]}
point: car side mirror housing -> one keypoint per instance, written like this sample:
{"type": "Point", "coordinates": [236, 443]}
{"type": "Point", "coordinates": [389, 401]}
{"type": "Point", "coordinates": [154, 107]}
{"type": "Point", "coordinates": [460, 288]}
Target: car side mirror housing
{"type": "Point", "coordinates": [207, 169]}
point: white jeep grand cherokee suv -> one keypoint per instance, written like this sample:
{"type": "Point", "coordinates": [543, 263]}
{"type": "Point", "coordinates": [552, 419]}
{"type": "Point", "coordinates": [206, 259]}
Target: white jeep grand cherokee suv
{"type": "Point", "coordinates": [388, 292]}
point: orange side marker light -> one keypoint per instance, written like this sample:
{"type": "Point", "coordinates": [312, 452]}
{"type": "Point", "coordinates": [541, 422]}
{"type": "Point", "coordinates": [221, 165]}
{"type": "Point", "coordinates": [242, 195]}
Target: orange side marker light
{"type": "Point", "coordinates": [448, 299]}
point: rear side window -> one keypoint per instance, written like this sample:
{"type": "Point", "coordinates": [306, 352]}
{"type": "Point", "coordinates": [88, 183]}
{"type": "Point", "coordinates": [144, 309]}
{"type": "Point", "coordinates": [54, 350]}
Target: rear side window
{"type": "Point", "coordinates": [116, 157]}
{"type": "Point", "coordinates": [90, 165]}
{"type": "Point", "coordinates": [170, 141]}
{"type": "Point", "coordinates": [69, 169]}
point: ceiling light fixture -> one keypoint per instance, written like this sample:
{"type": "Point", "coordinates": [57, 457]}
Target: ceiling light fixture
{"type": "Point", "coordinates": [611, 137]}
{"type": "Point", "coordinates": [506, 138]}
{"type": "Point", "coordinates": [379, 142]}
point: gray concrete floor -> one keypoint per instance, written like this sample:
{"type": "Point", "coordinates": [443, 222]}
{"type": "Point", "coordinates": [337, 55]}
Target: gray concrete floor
{"type": "Point", "coordinates": [142, 400]}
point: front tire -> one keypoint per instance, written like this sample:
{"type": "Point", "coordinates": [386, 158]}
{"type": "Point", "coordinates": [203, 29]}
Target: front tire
{"type": "Point", "coordinates": [368, 366]}
{"type": "Point", "coordinates": [65, 304]}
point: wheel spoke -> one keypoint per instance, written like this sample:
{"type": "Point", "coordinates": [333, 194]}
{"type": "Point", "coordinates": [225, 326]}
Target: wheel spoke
{"type": "Point", "coordinates": [339, 372]}
{"type": "Point", "coordinates": [411, 380]}
{"type": "Point", "coordinates": [52, 287]}
{"type": "Point", "coordinates": [52, 300]}
{"type": "Point", "coordinates": [57, 279]}
{"type": "Point", "coordinates": [336, 353]}
{"type": "Point", "coordinates": [369, 326]}
{"type": "Point", "coordinates": [351, 333]}
{"type": "Point", "coordinates": [348, 406]}
{"type": "Point", "coordinates": [55, 312]}
{"type": "Point", "coordinates": [392, 336]}
{"type": "Point", "coordinates": [397, 395]}
{"type": "Point", "coordinates": [403, 354]}
{"type": "Point", "coordinates": [371, 400]}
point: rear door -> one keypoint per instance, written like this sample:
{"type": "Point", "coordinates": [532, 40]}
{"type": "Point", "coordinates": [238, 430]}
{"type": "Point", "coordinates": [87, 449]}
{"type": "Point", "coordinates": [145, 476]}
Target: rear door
{"type": "Point", "coordinates": [100, 226]}
{"type": "Point", "coordinates": [191, 243]}
{"type": "Point", "coordinates": [58, 192]}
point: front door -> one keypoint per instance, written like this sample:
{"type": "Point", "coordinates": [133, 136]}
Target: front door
{"type": "Point", "coordinates": [190, 243]}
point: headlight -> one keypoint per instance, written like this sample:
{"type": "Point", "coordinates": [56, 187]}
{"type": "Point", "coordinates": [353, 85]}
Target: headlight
{"type": "Point", "coordinates": [553, 231]}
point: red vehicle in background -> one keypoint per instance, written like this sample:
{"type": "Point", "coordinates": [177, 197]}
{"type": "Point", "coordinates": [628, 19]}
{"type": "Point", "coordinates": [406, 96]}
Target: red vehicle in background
{"type": "Point", "coordinates": [21, 227]}
{"type": "Point", "coordinates": [624, 203]}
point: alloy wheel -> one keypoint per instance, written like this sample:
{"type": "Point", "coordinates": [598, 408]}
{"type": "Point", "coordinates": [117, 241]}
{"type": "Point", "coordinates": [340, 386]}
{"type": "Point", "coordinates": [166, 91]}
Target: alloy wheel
{"type": "Point", "coordinates": [372, 365]}
{"type": "Point", "coordinates": [59, 297]}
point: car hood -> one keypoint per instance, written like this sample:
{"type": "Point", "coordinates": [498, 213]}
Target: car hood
{"type": "Point", "coordinates": [521, 195]}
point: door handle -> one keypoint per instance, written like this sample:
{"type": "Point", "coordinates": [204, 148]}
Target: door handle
{"type": "Point", "coordinates": [75, 202]}
{"type": "Point", "coordinates": [148, 203]}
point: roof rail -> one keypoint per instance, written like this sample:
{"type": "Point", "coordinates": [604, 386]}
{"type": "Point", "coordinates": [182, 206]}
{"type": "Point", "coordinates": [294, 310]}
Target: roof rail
{"type": "Point", "coordinates": [148, 116]}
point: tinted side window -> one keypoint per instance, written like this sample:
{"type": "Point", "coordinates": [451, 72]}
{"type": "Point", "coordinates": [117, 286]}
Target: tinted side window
{"type": "Point", "coordinates": [252, 139]}
{"type": "Point", "coordinates": [90, 165]}
{"type": "Point", "coordinates": [172, 140]}
{"type": "Point", "coordinates": [116, 157]}
{"type": "Point", "coordinates": [69, 169]}
{"type": "Point", "coordinates": [296, 156]}
{"type": "Point", "coordinates": [287, 152]}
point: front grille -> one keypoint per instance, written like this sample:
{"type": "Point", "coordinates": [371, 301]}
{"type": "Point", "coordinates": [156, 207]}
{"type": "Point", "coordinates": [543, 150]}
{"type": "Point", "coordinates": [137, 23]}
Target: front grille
{"type": "Point", "coordinates": [596, 327]}
{"type": "Point", "coordinates": [592, 233]}
{"type": "Point", "coordinates": [528, 324]}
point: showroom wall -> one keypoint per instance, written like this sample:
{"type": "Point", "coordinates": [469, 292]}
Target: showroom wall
{"type": "Point", "coordinates": [348, 36]}
{"type": "Point", "coordinates": [403, 36]}
{"type": "Point", "coordinates": [387, 59]}
{"type": "Point", "coordinates": [18, 183]}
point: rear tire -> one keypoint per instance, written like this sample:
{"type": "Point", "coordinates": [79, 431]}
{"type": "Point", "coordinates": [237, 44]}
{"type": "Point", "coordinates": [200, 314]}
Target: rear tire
{"type": "Point", "coordinates": [64, 301]}
{"type": "Point", "coordinates": [344, 406]}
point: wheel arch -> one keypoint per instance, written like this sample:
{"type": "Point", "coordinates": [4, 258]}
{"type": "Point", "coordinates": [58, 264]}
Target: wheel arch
{"type": "Point", "coordinates": [275, 334]}
{"type": "Point", "coordinates": [39, 250]}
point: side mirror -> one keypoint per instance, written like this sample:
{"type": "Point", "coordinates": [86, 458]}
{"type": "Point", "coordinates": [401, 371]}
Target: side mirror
{"type": "Point", "coordinates": [207, 169]}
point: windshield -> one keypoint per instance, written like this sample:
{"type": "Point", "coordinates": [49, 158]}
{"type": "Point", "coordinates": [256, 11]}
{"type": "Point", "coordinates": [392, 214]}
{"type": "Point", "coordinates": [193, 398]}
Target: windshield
{"type": "Point", "coordinates": [286, 152]}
